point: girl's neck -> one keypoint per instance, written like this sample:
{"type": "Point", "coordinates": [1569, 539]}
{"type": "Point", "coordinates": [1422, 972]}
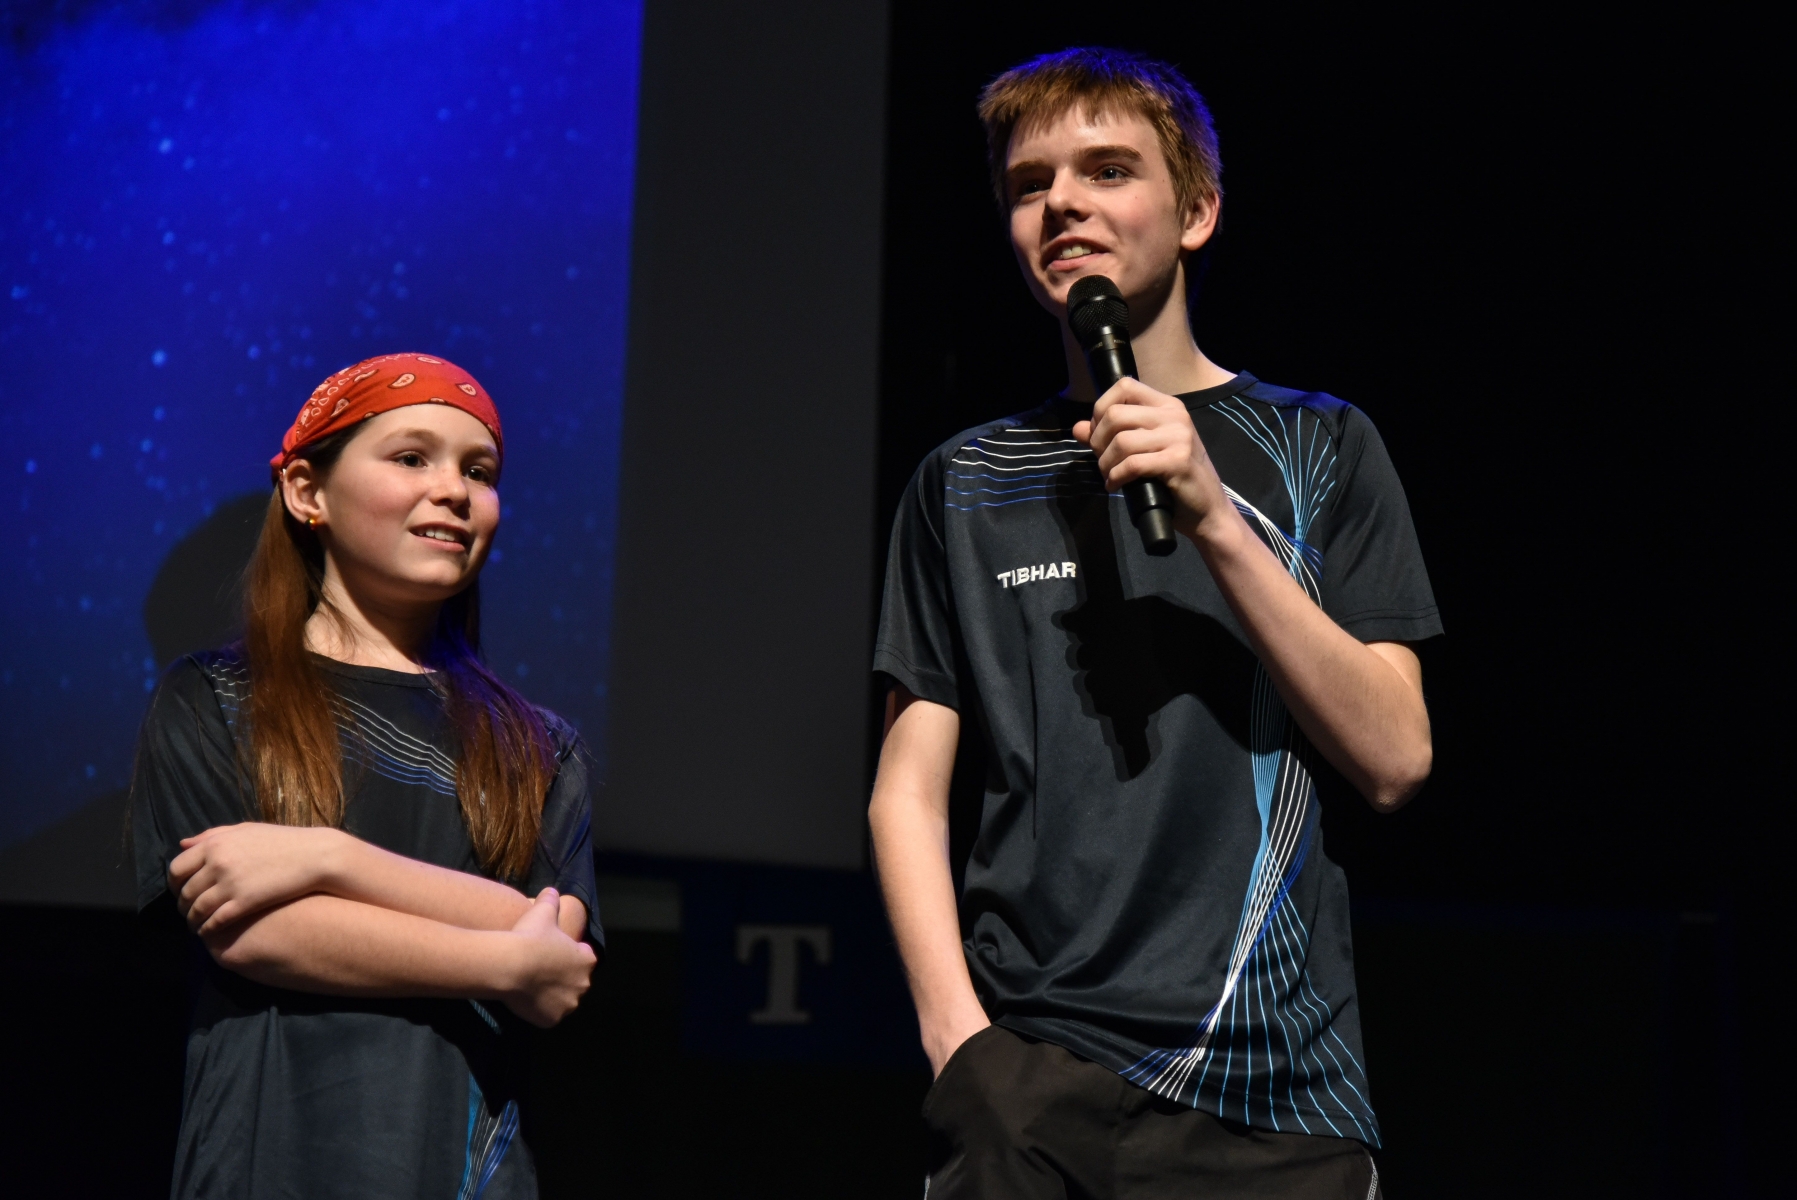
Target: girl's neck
{"type": "Point", "coordinates": [364, 634]}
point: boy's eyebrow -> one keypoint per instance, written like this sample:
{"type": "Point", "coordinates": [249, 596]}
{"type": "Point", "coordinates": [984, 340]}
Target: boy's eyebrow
{"type": "Point", "coordinates": [1129, 152]}
{"type": "Point", "coordinates": [1118, 151]}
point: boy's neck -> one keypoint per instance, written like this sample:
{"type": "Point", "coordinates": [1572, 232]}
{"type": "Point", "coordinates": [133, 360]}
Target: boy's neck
{"type": "Point", "coordinates": [1167, 358]}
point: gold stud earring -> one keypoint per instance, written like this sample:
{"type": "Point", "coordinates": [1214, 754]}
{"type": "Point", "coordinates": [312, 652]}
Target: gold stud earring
{"type": "Point", "coordinates": [312, 521]}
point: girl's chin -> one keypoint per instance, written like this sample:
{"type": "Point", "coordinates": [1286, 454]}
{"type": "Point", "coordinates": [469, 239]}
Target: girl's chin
{"type": "Point", "coordinates": [425, 588]}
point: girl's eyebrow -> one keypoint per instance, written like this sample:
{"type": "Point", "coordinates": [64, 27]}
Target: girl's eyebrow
{"type": "Point", "coordinates": [422, 434]}
{"type": "Point", "coordinates": [435, 438]}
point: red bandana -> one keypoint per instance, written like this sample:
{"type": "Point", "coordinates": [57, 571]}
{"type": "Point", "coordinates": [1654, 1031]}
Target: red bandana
{"type": "Point", "coordinates": [381, 384]}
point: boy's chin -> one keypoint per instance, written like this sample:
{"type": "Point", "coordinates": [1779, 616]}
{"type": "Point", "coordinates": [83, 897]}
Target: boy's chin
{"type": "Point", "coordinates": [1052, 286]}
{"type": "Point", "coordinates": [1051, 293]}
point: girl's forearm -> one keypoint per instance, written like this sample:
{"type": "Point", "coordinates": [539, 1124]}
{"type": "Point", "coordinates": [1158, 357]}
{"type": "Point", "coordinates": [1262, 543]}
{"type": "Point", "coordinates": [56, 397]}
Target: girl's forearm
{"type": "Point", "coordinates": [344, 947]}
{"type": "Point", "coordinates": [360, 871]}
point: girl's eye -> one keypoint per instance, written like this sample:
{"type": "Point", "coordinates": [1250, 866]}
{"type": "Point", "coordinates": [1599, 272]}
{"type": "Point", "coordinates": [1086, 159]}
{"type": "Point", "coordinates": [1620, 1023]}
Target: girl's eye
{"type": "Point", "coordinates": [480, 474]}
{"type": "Point", "coordinates": [411, 458]}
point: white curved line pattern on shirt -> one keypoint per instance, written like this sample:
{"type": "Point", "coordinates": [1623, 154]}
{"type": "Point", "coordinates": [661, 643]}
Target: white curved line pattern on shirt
{"type": "Point", "coordinates": [1267, 959]}
{"type": "Point", "coordinates": [398, 755]}
{"type": "Point", "coordinates": [490, 1135]}
{"type": "Point", "coordinates": [374, 741]}
{"type": "Point", "coordinates": [231, 684]}
{"type": "Point", "coordinates": [1305, 458]}
{"type": "Point", "coordinates": [1296, 561]}
{"type": "Point", "coordinates": [1034, 474]}
{"type": "Point", "coordinates": [1283, 793]}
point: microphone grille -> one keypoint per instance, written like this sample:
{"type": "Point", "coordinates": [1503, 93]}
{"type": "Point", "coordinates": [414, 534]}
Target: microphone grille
{"type": "Point", "coordinates": [1092, 304]}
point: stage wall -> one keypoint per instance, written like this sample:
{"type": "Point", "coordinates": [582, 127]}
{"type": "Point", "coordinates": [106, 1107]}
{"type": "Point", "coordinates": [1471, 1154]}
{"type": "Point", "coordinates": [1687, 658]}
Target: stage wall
{"type": "Point", "coordinates": [746, 546]}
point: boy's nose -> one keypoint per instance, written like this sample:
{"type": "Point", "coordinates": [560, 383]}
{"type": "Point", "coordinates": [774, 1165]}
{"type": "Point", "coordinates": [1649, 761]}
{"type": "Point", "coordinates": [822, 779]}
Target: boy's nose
{"type": "Point", "coordinates": [1063, 195]}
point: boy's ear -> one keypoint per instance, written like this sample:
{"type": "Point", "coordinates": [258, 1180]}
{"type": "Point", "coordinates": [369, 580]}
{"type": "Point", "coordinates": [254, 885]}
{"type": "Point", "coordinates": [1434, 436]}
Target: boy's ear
{"type": "Point", "coordinates": [1201, 223]}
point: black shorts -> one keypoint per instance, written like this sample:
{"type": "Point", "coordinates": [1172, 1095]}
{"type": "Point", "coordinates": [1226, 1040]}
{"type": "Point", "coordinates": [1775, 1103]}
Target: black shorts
{"type": "Point", "coordinates": [1012, 1118]}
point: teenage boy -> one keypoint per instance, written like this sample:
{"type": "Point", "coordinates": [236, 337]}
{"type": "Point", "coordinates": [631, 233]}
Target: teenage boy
{"type": "Point", "coordinates": [1133, 974]}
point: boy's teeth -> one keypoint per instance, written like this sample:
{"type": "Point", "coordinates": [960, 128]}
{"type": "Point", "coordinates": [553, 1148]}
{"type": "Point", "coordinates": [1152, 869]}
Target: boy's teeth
{"type": "Point", "coordinates": [1075, 251]}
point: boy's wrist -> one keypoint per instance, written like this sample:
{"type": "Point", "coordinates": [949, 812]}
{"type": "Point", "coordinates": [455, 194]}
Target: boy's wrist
{"type": "Point", "coordinates": [951, 1015]}
{"type": "Point", "coordinates": [1218, 532]}
{"type": "Point", "coordinates": [945, 1034]}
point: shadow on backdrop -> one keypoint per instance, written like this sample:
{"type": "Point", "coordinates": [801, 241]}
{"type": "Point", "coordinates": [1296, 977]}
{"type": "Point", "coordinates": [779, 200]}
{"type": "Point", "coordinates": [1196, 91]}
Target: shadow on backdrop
{"type": "Point", "coordinates": [196, 600]}
{"type": "Point", "coordinates": [194, 603]}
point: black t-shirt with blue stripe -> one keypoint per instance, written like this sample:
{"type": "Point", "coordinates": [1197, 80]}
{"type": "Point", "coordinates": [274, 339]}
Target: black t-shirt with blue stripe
{"type": "Point", "coordinates": [1144, 880]}
{"type": "Point", "coordinates": [293, 1093]}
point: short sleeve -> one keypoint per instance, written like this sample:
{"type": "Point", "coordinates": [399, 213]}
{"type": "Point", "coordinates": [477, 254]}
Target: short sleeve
{"type": "Point", "coordinates": [186, 779]}
{"type": "Point", "coordinates": [1374, 583]}
{"type": "Point", "coordinates": [915, 644]}
{"type": "Point", "coordinates": [565, 845]}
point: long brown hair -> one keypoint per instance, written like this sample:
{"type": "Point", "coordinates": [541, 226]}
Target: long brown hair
{"type": "Point", "coordinates": [504, 759]}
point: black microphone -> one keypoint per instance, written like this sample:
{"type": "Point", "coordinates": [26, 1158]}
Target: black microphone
{"type": "Point", "coordinates": [1099, 318]}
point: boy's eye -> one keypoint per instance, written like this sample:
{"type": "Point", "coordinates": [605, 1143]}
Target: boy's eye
{"type": "Point", "coordinates": [1110, 174]}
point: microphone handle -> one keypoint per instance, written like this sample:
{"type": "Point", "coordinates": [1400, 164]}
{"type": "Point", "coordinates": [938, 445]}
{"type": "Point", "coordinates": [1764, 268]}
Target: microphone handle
{"type": "Point", "coordinates": [1150, 503]}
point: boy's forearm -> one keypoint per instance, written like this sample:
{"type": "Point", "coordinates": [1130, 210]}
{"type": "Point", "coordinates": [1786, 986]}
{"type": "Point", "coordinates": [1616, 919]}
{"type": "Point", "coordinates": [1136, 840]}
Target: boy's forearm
{"type": "Point", "coordinates": [911, 853]}
{"type": "Point", "coordinates": [363, 872]}
{"type": "Point", "coordinates": [908, 819]}
{"type": "Point", "coordinates": [344, 947]}
{"type": "Point", "coordinates": [910, 850]}
{"type": "Point", "coordinates": [1354, 704]}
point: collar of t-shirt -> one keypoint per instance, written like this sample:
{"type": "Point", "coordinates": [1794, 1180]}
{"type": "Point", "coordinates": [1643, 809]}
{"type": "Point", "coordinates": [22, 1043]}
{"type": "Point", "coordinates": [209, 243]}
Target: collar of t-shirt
{"type": "Point", "coordinates": [337, 666]}
{"type": "Point", "coordinates": [1080, 410]}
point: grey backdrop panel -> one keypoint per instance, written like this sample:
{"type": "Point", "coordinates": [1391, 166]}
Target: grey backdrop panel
{"type": "Point", "coordinates": [742, 611]}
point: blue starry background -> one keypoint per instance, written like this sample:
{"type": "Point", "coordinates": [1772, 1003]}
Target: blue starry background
{"type": "Point", "coordinates": [205, 209]}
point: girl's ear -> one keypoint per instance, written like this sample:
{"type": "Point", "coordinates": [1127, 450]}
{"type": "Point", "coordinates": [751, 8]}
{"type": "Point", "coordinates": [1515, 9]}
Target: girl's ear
{"type": "Point", "coordinates": [303, 493]}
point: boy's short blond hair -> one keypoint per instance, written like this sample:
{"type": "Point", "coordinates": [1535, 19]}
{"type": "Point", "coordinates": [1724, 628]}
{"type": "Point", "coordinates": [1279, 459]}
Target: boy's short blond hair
{"type": "Point", "coordinates": [1107, 81]}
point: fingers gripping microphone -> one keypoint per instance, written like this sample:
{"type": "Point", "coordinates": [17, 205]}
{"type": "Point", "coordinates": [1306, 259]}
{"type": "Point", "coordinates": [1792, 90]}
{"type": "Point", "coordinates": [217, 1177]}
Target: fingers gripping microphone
{"type": "Point", "coordinates": [1099, 318]}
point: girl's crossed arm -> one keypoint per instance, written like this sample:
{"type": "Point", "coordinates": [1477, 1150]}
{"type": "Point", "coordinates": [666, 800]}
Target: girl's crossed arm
{"type": "Point", "coordinates": [319, 910]}
{"type": "Point", "coordinates": [230, 872]}
{"type": "Point", "coordinates": [342, 947]}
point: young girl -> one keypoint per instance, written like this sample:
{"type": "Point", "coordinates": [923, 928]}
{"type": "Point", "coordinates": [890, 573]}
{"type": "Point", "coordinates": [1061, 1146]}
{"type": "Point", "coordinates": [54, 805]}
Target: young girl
{"type": "Point", "coordinates": [354, 814]}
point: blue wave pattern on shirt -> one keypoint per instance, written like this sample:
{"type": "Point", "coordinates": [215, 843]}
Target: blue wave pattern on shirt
{"type": "Point", "coordinates": [230, 679]}
{"type": "Point", "coordinates": [381, 746]}
{"type": "Point", "coordinates": [368, 739]}
{"type": "Point", "coordinates": [1010, 464]}
{"type": "Point", "coordinates": [1267, 1046]}
{"type": "Point", "coordinates": [490, 1135]}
